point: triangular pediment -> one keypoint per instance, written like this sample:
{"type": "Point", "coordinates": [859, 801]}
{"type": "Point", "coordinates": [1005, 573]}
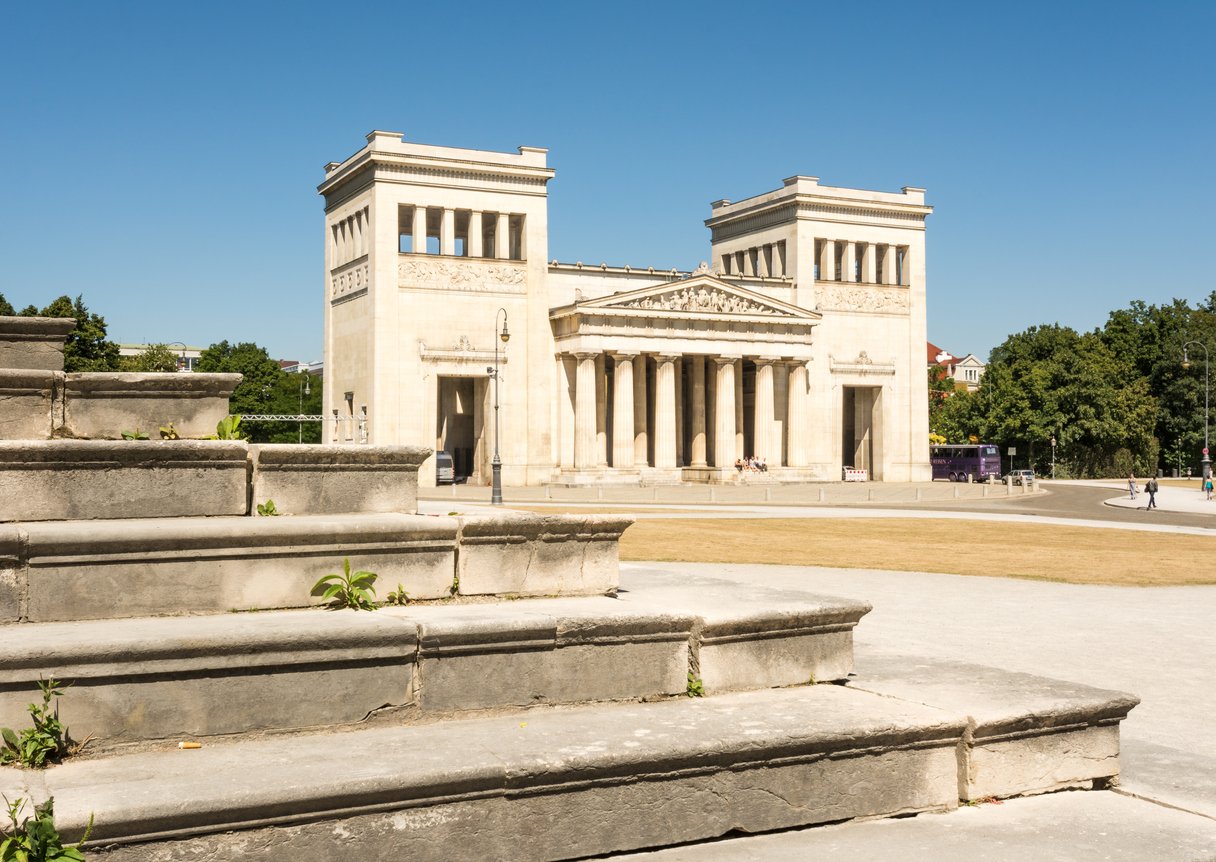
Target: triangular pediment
{"type": "Point", "coordinates": [699, 294]}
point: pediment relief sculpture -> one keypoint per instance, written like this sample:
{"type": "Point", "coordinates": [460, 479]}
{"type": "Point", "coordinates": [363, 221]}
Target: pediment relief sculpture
{"type": "Point", "coordinates": [700, 299]}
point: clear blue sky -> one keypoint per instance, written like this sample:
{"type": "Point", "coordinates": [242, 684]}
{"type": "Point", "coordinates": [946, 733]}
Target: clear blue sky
{"type": "Point", "coordinates": [162, 158]}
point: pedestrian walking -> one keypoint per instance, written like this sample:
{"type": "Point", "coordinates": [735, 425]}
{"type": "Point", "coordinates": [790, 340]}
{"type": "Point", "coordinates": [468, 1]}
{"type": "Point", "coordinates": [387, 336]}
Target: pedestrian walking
{"type": "Point", "coordinates": [1150, 488]}
{"type": "Point", "coordinates": [1207, 487]}
{"type": "Point", "coordinates": [1131, 484]}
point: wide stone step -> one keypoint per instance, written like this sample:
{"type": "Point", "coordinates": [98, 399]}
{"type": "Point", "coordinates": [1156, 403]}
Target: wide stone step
{"type": "Point", "coordinates": [551, 784]}
{"type": "Point", "coordinates": [1025, 733]}
{"type": "Point", "coordinates": [108, 569]}
{"type": "Point", "coordinates": [186, 677]}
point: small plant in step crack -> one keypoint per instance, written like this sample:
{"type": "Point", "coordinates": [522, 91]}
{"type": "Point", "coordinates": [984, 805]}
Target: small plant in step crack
{"type": "Point", "coordinates": [47, 741]}
{"type": "Point", "coordinates": [134, 435]}
{"type": "Point", "coordinates": [168, 432]}
{"type": "Point", "coordinates": [696, 688]}
{"type": "Point", "coordinates": [35, 839]}
{"type": "Point", "coordinates": [397, 597]}
{"type": "Point", "coordinates": [268, 509]}
{"type": "Point", "coordinates": [229, 428]}
{"type": "Point", "coordinates": [347, 589]}
{"type": "Point", "coordinates": [455, 587]}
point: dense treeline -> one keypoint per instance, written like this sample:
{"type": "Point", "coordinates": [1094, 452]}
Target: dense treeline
{"type": "Point", "coordinates": [265, 388]}
{"type": "Point", "coordinates": [1116, 399]}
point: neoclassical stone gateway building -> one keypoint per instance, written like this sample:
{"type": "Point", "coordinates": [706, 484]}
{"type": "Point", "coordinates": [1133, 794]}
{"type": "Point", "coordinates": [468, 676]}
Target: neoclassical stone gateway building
{"type": "Point", "coordinates": [801, 342]}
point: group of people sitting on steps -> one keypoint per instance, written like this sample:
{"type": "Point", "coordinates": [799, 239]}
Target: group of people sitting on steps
{"type": "Point", "coordinates": [751, 465]}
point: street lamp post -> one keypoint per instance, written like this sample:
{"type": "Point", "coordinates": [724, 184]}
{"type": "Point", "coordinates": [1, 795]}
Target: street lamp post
{"type": "Point", "coordinates": [496, 466]}
{"type": "Point", "coordinates": [305, 389]}
{"type": "Point", "coordinates": [181, 362]}
{"type": "Point", "coordinates": [1206, 463]}
{"type": "Point", "coordinates": [1053, 457]}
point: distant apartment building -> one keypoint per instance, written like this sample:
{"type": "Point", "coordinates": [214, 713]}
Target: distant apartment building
{"type": "Point", "coordinates": [967, 371]}
{"type": "Point", "coordinates": [187, 357]}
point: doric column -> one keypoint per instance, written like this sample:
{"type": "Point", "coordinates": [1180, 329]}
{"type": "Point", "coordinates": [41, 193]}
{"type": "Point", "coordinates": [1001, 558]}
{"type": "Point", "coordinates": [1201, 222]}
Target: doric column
{"type": "Point", "coordinates": [762, 416]}
{"type": "Point", "coordinates": [867, 263]}
{"type": "Point", "coordinates": [601, 411]}
{"type": "Point", "coordinates": [905, 268]}
{"type": "Point", "coordinates": [739, 453]}
{"type": "Point", "coordinates": [665, 413]}
{"type": "Point", "coordinates": [697, 407]}
{"type": "Point", "coordinates": [567, 371]}
{"type": "Point", "coordinates": [502, 237]}
{"type": "Point", "coordinates": [779, 259]}
{"type": "Point", "coordinates": [640, 439]}
{"type": "Point", "coordinates": [796, 419]}
{"type": "Point", "coordinates": [622, 412]}
{"type": "Point", "coordinates": [763, 256]}
{"type": "Point", "coordinates": [419, 230]}
{"type": "Point", "coordinates": [475, 235]}
{"type": "Point", "coordinates": [447, 232]}
{"type": "Point", "coordinates": [849, 266]}
{"type": "Point", "coordinates": [888, 264]}
{"type": "Point", "coordinates": [724, 412]}
{"type": "Point", "coordinates": [827, 260]}
{"type": "Point", "coordinates": [584, 413]}
{"type": "Point", "coordinates": [681, 417]}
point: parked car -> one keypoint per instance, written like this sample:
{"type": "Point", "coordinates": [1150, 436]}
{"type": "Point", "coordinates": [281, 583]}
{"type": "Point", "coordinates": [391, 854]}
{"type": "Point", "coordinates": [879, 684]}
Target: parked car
{"type": "Point", "coordinates": [1021, 477]}
{"type": "Point", "coordinates": [445, 469]}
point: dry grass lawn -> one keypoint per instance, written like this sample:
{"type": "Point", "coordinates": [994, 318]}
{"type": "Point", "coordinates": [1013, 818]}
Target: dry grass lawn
{"type": "Point", "coordinates": [1077, 555]}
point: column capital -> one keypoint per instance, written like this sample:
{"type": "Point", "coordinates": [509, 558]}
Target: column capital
{"type": "Point", "coordinates": [766, 360]}
{"type": "Point", "coordinates": [667, 357]}
{"type": "Point", "coordinates": [582, 355]}
{"type": "Point", "coordinates": [625, 354]}
{"type": "Point", "coordinates": [726, 360]}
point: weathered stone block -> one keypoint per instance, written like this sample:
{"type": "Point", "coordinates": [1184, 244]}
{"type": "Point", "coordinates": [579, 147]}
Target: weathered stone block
{"type": "Point", "coordinates": [1026, 734]}
{"type": "Point", "coordinates": [78, 479]}
{"type": "Point", "coordinates": [27, 403]}
{"type": "Point", "coordinates": [562, 784]}
{"type": "Point", "coordinates": [34, 342]}
{"type": "Point", "coordinates": [12, 574]}
{"type": "Point", "coordinates": [307, 480]}
{"type": "Point", "coordinates": [558, 651]}
{"type": "Point", "coordinates": [113, 569]}
{"type": "Point", "coordinates": [758, 637]}
{"type": "Point", "coordinates": [540, 555]}
{"type": "Point", "coordinates": [101, 405]}
{"type": "Point", "coordinates": [159, 678]}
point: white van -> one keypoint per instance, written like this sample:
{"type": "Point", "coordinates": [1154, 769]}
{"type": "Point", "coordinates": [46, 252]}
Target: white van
{"type": "Point", "coordinates": [445, 469]}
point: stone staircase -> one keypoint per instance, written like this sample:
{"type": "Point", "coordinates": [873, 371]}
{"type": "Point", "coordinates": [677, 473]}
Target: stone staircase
{"type": "Point", "coordinates": [533, 707]}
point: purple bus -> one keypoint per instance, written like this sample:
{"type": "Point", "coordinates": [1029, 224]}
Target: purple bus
{"type": "Point", "coordinates": [966, 462]}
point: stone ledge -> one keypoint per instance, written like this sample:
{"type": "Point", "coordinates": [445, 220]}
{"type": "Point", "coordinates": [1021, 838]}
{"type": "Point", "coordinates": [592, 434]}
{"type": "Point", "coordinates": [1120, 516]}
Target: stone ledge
{"type": "Point", "coordinates": [127, 568]}
{"type": "Point", "coordinates": [28, 401]}
{"type": "Point", "coordinates": [34, 342]}
{"type": "Point", "coordinates": [1026, 734]}
{"type": "Point", "coordinates": [159, 678]}
{"type": "Point", "coordinates": [82, 479]}
{"type": "Point", "coordinates": [564, 783]}
{"type": "Point", "coordinates": [102, 405]}
{"type": "Point", "coordinates": [320, 479]}
{"type": "Point", "coordinates": [540, 555]}
{"type": "Point", "coordinates": [756, 637]}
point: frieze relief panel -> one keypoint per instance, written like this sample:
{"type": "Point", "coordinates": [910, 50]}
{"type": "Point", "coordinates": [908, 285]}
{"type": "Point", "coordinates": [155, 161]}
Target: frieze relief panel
{"type": "Point", "coordinates": [890, 300]}
{"type": "Point", "coordinates": [349, 280]}
{"type": "Point", "coordinates": [476, 276]}
{"type": "Point", "coordinates": [701, 299]}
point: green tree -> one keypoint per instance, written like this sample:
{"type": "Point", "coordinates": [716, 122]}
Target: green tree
{"type": "Point", "coordinates": [86, 347]}
{"type": "Point", "coordinates": [6, 307]}
{"type": "Point", "coordinates": [265, 388]}
{"type": "Point", "coordinates": [157, 357]}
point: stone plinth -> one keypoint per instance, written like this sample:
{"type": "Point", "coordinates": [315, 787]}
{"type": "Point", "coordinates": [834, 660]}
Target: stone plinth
{"type": "Point", "coordinates": [102, 405]}
{"type": "Point", "coordinates": [540, 555]}
{"type": "Point", "coordinates": [112, 569]}
{"type": "Point", "coordinates": [305, 480]}
{"type": "Point", "coordinates": [28, 399]}
{"type": "Point", "coordinates": [80, 479]}
{"type": "Point", "coordinates": [33, 343]}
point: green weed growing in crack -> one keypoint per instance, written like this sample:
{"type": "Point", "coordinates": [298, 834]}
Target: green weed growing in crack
{"type": "Point", "coordinates": [696, 688]}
